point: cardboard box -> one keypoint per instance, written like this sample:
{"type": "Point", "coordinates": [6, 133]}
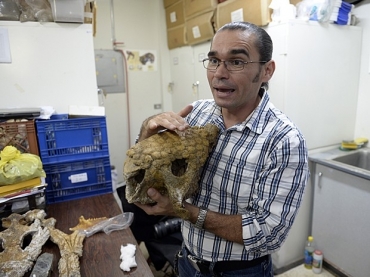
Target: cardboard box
{"type": "Point", "coordinates": [195, 7]}
{"type": "Point", "coordinates": [90, 14]}
{"type": "Point", "coordinates": [294, 2]}
{"type": "Point", "coordinates": [253, 11]}
{"type": "Point", "coordinates": [176, 37]}
{"type": "Point", "coordinates": [175, 15]}
{"type": "Point", "coordinates": [167, 3]}
{"type": "Point", "coordinates": [200, 28]}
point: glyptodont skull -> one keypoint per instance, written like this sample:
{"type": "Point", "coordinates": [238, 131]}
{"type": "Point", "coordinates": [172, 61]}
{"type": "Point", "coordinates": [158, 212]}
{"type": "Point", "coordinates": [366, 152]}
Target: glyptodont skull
{"type": "Point", "coordinates": [169, 162]}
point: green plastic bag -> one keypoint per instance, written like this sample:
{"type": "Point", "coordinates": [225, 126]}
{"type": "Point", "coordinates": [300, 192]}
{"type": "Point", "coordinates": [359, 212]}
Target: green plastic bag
{"type": "Point", "coordinates": [16, 167]}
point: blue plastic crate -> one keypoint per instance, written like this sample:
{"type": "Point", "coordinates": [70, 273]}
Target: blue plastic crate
{"type": "Point", "coordinates": [68, 181]}
{"type": "Point", "coordinates": [63, 139]}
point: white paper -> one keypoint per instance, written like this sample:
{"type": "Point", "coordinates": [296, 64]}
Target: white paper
{"type": "Point", "coordinates": [237, 15]}
{"type": "Point", "coordinates": [77, 178]}
{"type": "Point", "coordinates": [27, 192]}
{"type": "Point", "coordinates": [173, 17]}
{"type": "Point", "coordinates": [5, 56]}
{"type": "Point", "coordinates": [196, 32]}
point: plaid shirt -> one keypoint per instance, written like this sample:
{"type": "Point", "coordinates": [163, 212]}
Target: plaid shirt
{"type": "Point", "coordinates": [258, 169]}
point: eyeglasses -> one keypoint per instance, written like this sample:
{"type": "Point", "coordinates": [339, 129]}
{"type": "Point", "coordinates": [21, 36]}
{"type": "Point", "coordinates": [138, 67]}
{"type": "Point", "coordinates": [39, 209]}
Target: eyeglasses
{"type": "Point", "coordinates": [231, 65]}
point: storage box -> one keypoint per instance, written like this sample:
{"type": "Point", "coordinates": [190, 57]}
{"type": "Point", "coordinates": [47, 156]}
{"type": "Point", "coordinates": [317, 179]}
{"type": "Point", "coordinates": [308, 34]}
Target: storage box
{"type": "Point", "coordinates": [253, 11]}
{"type": "Point", "coordinates": [20, 134]}
{"type": "Point", "coordinates": [176, 37]}
{"type": "Point", "coordinates": [194, 7]}
{"type": "Point", "coordinates": [167, 3]}
{"type": "Point", "coordinates": [90, 12]}
{"type": "Point", "coordinates": [75, 180]}
{"type": "Point", "coordinates": [68, 10]}
{"type": "Point", "coordinates": [61, 139]}
{"type": "Point", "coordinates": [175, 15]}
{"type": "Point", "coordinates": [200, 28]}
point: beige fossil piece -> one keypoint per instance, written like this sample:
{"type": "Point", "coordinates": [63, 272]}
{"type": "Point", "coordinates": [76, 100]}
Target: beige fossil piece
{"type": "Point", "coordinates": [70, 247]}
{"type": "Point", "coordinates": [84, 224]}
{"type": "Point", "coordinates": [170, 163]}
{"type": "Point", "coordinates": [15, 261]}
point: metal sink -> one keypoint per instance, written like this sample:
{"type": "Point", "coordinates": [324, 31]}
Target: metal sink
{"type": "Point", "coordinates": [355, 162]}
{"type": "Point", "coordinates": [360, 158]}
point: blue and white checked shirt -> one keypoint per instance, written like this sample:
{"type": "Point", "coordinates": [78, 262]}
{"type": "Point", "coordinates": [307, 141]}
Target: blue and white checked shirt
{"type": "Point", "coordinates": [258, 169]}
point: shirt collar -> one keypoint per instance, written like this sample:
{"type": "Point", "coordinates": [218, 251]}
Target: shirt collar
{"type": "Point", "coordinates": [255, 121]}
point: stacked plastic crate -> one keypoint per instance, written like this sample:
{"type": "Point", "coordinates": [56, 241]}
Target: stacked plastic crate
{"type": "Point", "coordinates": [20, 134]}
{"type": "Point", "coordinates": [75, 157]}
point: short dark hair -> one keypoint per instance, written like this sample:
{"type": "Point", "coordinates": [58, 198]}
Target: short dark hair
{"type": "Point", "coordinates": [263, 40]}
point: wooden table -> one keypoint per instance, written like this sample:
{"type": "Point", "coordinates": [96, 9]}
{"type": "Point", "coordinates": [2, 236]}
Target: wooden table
{"type": "Point", "coordinates": [101, 252]}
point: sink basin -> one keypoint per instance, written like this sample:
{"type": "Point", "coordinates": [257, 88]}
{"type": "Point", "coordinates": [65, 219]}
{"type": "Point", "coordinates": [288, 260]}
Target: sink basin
{"type": "Point", "coordinates": [360, 158]}
{"type": "Point", "coordinates": [355, 162]}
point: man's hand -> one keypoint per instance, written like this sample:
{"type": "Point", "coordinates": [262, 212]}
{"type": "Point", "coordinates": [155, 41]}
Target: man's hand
{"type": "Point", "coordinates": [163, 204]}
{"type": "Point", "coordinates": [168, 120]}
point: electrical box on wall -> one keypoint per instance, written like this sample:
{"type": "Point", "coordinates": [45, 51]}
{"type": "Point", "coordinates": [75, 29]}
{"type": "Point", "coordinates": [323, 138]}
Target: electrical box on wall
{"type": "Point", "coordinates": [110, 72]}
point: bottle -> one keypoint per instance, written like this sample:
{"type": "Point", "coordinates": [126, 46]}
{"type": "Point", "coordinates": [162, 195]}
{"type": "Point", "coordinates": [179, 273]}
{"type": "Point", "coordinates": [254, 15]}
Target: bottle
{"type": "Point", "coordinates": [317, 259]}
{"type": "Point", "coordinates": [308, 251]}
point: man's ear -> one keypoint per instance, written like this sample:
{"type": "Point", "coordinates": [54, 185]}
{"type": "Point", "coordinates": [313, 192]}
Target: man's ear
{"type": "Point", "coordinates": [269, 69]}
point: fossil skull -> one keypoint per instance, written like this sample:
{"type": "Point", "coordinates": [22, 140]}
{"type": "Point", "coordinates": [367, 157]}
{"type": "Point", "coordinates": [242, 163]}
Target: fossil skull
{"type": "Point", "coordinates": [170, 163]}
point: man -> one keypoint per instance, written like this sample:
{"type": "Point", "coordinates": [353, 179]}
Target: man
{"type": "Point", "coordinates": [253, 181]}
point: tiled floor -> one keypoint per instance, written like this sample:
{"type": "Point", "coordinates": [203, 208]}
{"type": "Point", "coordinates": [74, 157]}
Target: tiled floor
{"type": "Point", "coordinates": [301, 271]}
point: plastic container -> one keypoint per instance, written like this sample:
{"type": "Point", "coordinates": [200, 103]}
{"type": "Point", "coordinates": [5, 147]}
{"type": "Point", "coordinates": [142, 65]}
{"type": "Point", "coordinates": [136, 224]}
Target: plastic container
{"type": "Point", "coordinates": [20, 134]}
{"type": "Point", "coordinates": [75, 180]}
{"type": "Point", "coordinates": [317, 261]}
{"type": "Point", "coordinates": [63, 139]}
{"type": "Point", "coordinates": [308, 252]}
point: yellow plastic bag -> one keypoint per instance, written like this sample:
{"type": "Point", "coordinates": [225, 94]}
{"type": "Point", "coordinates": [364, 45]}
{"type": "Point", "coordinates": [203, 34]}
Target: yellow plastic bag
{"type": "Point", "coordinates": [16, 167]}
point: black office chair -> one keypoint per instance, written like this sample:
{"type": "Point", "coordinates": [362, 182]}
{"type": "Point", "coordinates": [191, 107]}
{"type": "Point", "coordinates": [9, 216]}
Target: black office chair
{"type": "Point", "coordinates": [161, 234]}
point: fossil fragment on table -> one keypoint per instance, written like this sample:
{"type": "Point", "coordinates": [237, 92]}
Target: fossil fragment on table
{"type": "Point", "coordinates": [84, 224]}
{"type": "Point", "coordinates": [15, 261]}
{"type": "Point", "coordinates": [70, 247]}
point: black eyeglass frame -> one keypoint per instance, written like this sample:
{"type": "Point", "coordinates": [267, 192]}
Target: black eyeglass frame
{"type": "Point", "coordinates": [225, 63]}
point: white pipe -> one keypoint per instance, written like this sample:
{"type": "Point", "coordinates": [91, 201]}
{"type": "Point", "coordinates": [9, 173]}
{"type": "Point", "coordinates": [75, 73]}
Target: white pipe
{"type": "Point", "coordinates": [114, 44]}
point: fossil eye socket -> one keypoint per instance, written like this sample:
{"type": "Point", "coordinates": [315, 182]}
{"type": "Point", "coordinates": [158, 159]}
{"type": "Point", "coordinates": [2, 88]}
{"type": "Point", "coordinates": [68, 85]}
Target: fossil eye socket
{"type": "Point", "coordinates": [26, 241]}
{"type": "Point", "coordinates": [140, 176]}
{"type": "Point", "coordinates": [178, 167]}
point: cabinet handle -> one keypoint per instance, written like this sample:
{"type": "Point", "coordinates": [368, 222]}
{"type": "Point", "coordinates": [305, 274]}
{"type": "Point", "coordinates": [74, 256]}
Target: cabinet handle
{"type": "Point", "coordinates": [170, 87]}
{"type": "Point", "coordinates": [195, 87]}
{"type": "Point", "coordinates": [318, 181]}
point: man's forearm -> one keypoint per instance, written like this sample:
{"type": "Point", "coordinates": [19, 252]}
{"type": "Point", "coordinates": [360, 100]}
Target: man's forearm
{"type": "Point", "coordinates": [228, 227]}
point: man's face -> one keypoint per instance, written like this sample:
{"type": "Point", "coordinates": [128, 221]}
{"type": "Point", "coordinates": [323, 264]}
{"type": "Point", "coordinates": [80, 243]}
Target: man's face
{"type": "Point", "coordinates": [236, 91]}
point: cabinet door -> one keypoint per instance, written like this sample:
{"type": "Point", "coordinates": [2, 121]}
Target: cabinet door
{"type": "Point", "coordinates": [341, 220]}
{"type": "Point", "coordinates": [316, 78]}
{"type": "Point", "coordinates": [188, 75]}
{"type": "Point", "coordinates": [182, 74]}
{"type": "Point", "coordinates": [200, 52]}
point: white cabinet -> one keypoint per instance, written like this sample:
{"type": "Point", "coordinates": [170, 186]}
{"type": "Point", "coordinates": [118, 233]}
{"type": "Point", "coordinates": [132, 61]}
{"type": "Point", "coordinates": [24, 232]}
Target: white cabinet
{"type": "Point", "coordinates": [316, 78]}
{"type": "Point", "coordinates": [188, 75]}
{"type": "Point", "coordinates": [316, 84]}
{"type": "Point", "coordinates": [341, 220]}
